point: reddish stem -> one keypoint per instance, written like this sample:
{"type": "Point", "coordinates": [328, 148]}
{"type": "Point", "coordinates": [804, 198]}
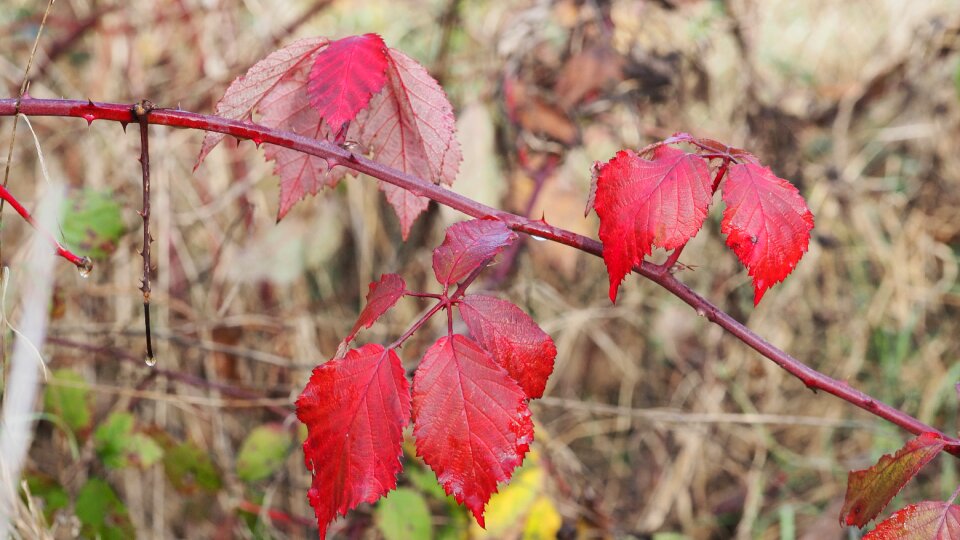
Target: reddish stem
{"type": "Point", "coordinates": [672, 259]}
{"type": "Point", "coordinates": [416, 326]}
{"type": "Point", "coordinates": [83, 263]}
{"type": "Point", "coordinates": [435, 296]}
{"type": "Point", "coordinates": [815, 380]}
{"type": "Point", "coordinates": [276, 516]}
{"type": "Point", "coordinates": [720, 173]}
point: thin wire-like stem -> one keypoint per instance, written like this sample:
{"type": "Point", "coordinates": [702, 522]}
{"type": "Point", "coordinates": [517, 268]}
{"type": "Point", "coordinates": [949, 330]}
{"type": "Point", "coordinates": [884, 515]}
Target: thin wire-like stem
{"type": "Point", "coordinates": [141, 111]}
{"type": "Point", "coordinates": [810, 377]}
{"type": "Point", "coordinates": [416, 325]}
{"type": "Point", "coordinates": [83, 263]}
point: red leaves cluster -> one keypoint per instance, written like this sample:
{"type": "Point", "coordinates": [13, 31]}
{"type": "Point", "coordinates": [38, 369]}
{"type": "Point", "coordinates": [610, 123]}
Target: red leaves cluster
{"type": "Point", "coordinates": [354, 89]}
{"type": "Point", "coordinates": [663, 202]}
{"type": "Point", "coordinates": [469, 402]}
{"type": "Point", "coordinates": [870, 490]}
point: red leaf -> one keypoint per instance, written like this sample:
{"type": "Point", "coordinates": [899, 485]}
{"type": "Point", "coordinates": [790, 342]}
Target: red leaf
{"type": "Point", "coordinates": [408, 122]}
{"type": "Point", "coordinates": [767, 224]}
{"type": "Point", "coordinates": [382, 296]}
{"type": "Point", "coordinates": [410, 126]}
{"type": "Point", "coordinates": [471, 420]}
{"type": "Point", "coordinates": [286, 107]}
{"type": "Point", "coordinates": [516, 342]}
{"type": "Point", "coordinates": [467, 245]}
{"type": "Point", "coordinates": [355, 409]}
{"type": "Point", "coordinates": [247, 91]}
{"type": "Point", "coordinates": [869, 490]}
{"type": "Point", "coordinates": [345, 76]}
{"type": "Point", "coordinates": [928, 520]}
{"type": "Point", "coordinates": [644, 203]}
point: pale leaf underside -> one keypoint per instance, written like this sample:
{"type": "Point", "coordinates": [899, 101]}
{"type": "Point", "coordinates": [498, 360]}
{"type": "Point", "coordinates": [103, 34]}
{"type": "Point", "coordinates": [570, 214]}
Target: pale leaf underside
{"type": "Point", "coordinates": [245, 93]}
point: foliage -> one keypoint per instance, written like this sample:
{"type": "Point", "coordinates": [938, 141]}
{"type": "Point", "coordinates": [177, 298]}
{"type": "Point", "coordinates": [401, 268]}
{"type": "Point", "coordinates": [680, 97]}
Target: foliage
{"type": "Point", "coordinates": [663, 202]}
{"type": "Point", "coordinates": [468, 401]}
{"type": "Point", "coordinates": [93, 223]}
{"type": "Point", "coordinates": [263, 452]}
{"type": "Point", "coordinates": [404, 116]}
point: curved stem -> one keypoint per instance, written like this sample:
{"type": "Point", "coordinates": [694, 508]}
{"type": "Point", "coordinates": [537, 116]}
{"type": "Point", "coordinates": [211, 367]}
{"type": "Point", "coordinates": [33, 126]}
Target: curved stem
{"type": "Point", "coordinates": [812, 378]}
{"type": "Point", "coordinates": [83, 263]}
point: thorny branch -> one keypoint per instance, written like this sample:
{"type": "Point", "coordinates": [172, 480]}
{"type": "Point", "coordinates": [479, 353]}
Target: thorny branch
{"type": "Point", "coordinates": [660, 275]}
{"type": "Point", "coordinates": [140, 112]}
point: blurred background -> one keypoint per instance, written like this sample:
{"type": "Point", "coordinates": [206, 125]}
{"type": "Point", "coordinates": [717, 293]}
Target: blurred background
{"type": "Point", "coordinates": [655, 423]}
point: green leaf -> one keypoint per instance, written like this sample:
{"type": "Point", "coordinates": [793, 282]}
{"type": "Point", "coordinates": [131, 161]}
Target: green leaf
{"type": "Point", "coordinates": [111, 437]}
{"type": "Point", "coordinates": [403, 515]}
{"type": "Point", "coordinates": [425, 481]}
{"type": "Point", "coordinates": [51, 494]}
{"type": "Point", "coordinates": [101, 513]}
{"type": "Point", "coordinates": [144, 450]}
{"type": "Point", "coordinates": [190, 469]}
{"type": "Point", "coordinates": [118, 446]}
{"type": "Point", "coordinates": [93, 223]}
{"type": "Point", "coordinates": [956, 80]}
{"type": "Point", "coordinates": [70, 400]}
{"type": "Point", "coordinates": [263, 452]}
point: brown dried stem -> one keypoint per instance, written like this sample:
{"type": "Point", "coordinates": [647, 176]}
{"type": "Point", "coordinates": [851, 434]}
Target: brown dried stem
{"type": "Point", "coordinates": [141, 112]}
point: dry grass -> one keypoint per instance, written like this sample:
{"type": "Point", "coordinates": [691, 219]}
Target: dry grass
{"type": "Point", "coordinates": [655, 420]}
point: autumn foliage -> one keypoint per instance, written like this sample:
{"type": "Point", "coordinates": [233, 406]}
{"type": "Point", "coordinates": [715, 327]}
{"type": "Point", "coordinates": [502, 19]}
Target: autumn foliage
{"type": "Point", "coordinates": [469, 394]}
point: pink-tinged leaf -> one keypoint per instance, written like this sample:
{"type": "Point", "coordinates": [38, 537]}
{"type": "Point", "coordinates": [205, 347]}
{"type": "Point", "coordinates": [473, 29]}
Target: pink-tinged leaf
{"type": "Point", "coordinates": [869, 490]}
{"type": "Point", "coordinates": [410, 126]}
{"type": "Point", "coordinates": [644, 203]}
{"type": "Point", "coordinates": [345, 76]}
{"type": "Point", "coordinates": [245, 93]}
{"type": "Point", "coordinates": [928, 520]}
{"type": "Point", "coordinates": [355, 409]}
{"type": "Point", "coordinates": [382, 296]}
{"type": "Point", "coordinates": [286, 107]}
{"type": "Point", "coordinates": [470, 420]}
{"type": "Point", "coordinates": [516, 342]}
{"type": "Point", "coordinates": [467, 245]}
{"type": "Point", "coordinates": [767, 224]}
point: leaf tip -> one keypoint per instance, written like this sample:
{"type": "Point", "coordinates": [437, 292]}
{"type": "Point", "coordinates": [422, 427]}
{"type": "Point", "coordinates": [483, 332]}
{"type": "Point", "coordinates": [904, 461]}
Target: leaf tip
{"type": "Point", "coordinates": [614, 287]}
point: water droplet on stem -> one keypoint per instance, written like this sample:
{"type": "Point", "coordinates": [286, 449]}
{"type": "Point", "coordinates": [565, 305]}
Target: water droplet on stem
{"type": "Point", "coordinates": [150, 361]}
{"type": "Point", "coordinates": [85, 267]}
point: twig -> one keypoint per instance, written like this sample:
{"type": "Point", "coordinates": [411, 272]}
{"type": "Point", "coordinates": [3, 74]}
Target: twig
{"type": "Point", "coordinates": [812, 378]}
{"type": "Point", "coordinates": [539, 177]}
{"type": "Point", "coordinates": [276, 515]}
{"type": "Point", "coordinates": [185, 378]}
{"type": "Point", "coordinates": [141, 111]}
{"type": "Point", "coordinates": [23, 91]}
{"type": "Point", "coordinates": [84, 264]}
